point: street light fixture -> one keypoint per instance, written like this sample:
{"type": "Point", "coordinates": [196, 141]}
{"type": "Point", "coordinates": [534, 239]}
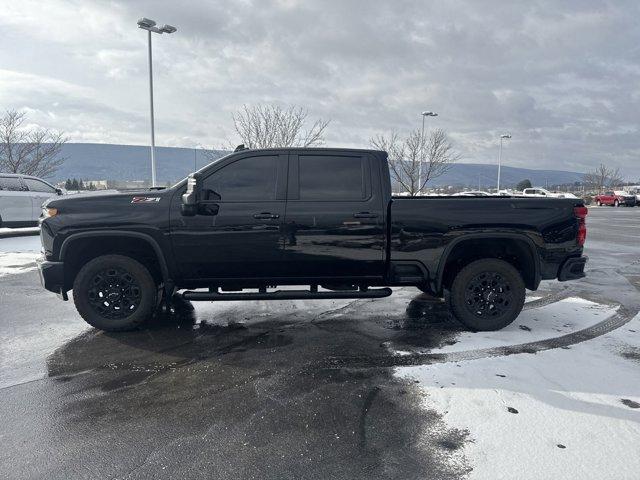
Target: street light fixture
{"type": "Point", "coordinates": [504, 136]}
{"type": "Point", "coordinates": [424, 115]}
{"type": "Point", "coordinates": [150, 26]}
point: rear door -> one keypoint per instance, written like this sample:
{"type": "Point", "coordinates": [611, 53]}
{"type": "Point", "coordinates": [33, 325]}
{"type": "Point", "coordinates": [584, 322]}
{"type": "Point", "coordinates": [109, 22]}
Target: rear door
{"type": "Point", "coordinates": [334, 225]}
{"type": "Point", "coordinates": [15, 201]}
{"type": "Point", "coordinates": [40, 192]}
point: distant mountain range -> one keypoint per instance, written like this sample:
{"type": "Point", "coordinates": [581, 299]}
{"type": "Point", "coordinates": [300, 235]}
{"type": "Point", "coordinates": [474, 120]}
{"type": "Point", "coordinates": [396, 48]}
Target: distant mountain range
{"type": "Point", "coordinates": [97, 161]}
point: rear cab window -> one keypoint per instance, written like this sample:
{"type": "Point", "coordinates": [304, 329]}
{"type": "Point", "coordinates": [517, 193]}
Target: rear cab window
{"type": "Point", "coordinates": [330, 178]}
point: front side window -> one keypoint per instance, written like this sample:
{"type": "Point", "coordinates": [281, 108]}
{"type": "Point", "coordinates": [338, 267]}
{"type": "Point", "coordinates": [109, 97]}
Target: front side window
{"type": "Point", "coordinates": [246, 180]}
{"type": "Point", "coordinates": [11, 184]}
{"type": "Point", "coordinates": [328, 177]}
{"type": "Point", "coordinates": [38, 186]}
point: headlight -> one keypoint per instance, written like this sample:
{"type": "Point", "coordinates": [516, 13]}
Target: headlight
{"type": "Point", "coordinates": [48, 212]}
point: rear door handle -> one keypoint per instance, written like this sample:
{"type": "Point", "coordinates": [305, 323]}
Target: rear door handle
{"type": "Point", "coordinates": [365, 215]}
{"type": "Point", "coordinates": [265, 216]}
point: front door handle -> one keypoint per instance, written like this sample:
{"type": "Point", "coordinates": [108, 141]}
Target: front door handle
{"type": "Point", "coordinates": [265, 216]}
{"type": "Point", "coordinates": [365, 215]}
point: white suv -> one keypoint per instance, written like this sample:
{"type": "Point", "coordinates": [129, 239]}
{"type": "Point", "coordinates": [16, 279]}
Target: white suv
{"type": "Point", "coordinates": [21, 199]}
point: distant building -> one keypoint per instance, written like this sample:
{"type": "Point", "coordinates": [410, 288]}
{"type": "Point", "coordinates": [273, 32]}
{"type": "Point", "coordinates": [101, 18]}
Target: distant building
{"type": "Point", "coordinates": [98, 184]}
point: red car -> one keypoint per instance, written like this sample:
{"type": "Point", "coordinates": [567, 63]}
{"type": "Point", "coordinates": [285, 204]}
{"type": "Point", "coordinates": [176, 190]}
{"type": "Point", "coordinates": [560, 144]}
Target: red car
{"type": "Point", "coordinates": [616, 199]}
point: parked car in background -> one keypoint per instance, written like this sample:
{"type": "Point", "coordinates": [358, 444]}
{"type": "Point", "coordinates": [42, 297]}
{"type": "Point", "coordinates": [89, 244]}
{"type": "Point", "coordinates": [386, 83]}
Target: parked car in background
{"type": "Point", "coordinates": [21, 199]}
{"type": "Point", "coordinates": [616, 198]}
{"type": "Point", "coordinates": [538, 192]}
{"type": "Point", "coordinates": [635, 191]}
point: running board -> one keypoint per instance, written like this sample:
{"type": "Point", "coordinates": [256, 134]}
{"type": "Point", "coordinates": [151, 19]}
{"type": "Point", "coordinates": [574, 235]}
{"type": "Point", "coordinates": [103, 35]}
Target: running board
{"type": "Point", "coordinates": [286, 295]}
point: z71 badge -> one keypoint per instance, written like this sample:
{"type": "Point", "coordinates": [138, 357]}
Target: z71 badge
{"type": "Point", "coordinates": [145, 199]}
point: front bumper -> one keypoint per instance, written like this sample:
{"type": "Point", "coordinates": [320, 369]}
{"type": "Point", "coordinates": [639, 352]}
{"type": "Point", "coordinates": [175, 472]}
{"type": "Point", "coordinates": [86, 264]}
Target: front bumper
{"type": "Point", "coordinates": [52, 276]}
{"type": "Point", "coordinates": [572, 268]}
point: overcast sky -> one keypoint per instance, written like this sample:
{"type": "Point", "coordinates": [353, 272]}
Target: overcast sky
{"type": "Point", "coordinates": [563, 77]}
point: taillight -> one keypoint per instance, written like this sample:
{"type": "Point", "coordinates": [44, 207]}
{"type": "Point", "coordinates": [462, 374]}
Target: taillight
{"type": "Point", "coordinates": [581, 215]}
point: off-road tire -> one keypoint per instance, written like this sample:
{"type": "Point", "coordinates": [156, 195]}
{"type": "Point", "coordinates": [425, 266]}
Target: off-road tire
{"type": "Point", "coordinates": [138, 282]}
{"type": "Point", "coordinates": [487, 294]}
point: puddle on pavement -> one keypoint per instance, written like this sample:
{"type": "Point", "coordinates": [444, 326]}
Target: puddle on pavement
{"type": "Point", "coordinates": [204, 335]}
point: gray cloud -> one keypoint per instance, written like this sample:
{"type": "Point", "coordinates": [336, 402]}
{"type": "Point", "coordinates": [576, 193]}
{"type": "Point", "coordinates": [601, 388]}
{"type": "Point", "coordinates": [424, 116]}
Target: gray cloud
{"type": "Point", "coordinates": [562, 77]}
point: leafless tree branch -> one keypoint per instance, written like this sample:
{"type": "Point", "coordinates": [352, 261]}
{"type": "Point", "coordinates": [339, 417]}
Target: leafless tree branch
{"type": "Point", "coordinates": [28, 151]}
{"type": "Point", "coordinates": [271, 126]}
{"type": "Point", "coordinates": [404, 155]}
{"type": "Point", "coordinates": [603, 177]}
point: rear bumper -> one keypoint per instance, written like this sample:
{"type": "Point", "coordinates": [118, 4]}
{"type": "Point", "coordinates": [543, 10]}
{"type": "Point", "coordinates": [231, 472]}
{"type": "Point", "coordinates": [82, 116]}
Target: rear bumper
{"type": "Point", "coordinates": [52, 276]}
{"type": "Point", "coordinates": [572, 269]}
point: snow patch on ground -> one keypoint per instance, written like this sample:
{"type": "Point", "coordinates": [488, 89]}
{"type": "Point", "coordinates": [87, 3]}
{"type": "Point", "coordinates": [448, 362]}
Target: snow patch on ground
{"type": "Point", "coordinates": [18, 254]}
{"type": "Point", "coordinates": [554, 320]}
{"type": "Point", "coordinates": [562, 413]}
{"type": "Point", "coordinates": [5, 230]}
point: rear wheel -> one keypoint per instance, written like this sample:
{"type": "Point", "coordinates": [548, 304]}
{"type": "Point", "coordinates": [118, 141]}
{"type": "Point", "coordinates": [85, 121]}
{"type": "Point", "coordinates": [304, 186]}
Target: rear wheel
{"type": "Point", "coordinates": [487, 294]}
{"type": "Point", "coordinates": [599, 203]}
{"type": "Point", "coordinates": [114, 293]}
{"type": "Point", "coordinates": [616, 203]}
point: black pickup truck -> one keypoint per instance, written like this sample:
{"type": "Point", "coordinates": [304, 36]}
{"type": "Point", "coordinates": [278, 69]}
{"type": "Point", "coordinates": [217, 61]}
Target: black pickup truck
{"type": "Point", "coordinates": [322, 219]}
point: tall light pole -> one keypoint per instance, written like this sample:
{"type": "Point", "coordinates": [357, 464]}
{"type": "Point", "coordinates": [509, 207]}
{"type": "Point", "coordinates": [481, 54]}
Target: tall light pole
{"type": "Point", "coordinates": [424, 115]}
{"type": "Point", "coordinates": [502, 137]}
{"type": "Point", "coordinates": [150, 26]}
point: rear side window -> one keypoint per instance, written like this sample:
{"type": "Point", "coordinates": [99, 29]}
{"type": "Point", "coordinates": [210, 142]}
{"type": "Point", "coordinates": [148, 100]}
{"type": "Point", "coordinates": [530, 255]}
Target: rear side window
{"type": "Point", "coordinates": [38, 186]}
{"type": "Point", "coordinates": [11, 184]}
{"type": "Point", "coordinates": [246, 180]}
{"type": "Point", "coordinates": [328, 177]}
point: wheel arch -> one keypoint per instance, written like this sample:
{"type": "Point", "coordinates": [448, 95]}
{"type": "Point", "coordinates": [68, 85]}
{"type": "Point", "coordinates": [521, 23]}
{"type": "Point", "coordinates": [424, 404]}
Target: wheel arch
{"type": "Point", "coordinates": [119, 240]}
{"type": "Point", "coordinates": [518, 249]}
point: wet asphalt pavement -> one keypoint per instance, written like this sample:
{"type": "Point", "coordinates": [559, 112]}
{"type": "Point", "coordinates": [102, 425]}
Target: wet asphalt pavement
{"type": "Point", "coordinates": [252, 390]}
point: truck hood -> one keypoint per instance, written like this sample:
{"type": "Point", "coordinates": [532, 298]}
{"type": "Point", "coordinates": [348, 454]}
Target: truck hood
{"type": "Point", "coordinates": [113, 203]}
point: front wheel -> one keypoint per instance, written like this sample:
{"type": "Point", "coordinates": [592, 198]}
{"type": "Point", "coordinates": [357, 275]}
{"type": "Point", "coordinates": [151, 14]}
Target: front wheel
{"type": "Point", "coordinates": [599, 203]}
{"type": "Point", "coordinates": [487, 294]}
{"type": "Point", "coordinates": [114, 293]}
{"type": "Point", "coordinates": [616, 203]}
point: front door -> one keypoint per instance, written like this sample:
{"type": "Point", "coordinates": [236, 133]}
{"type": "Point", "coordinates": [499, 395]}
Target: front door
{"type": "Point", "coordinates": [334, 225]}
{"type": "Point", "coordinates": [242, 239]}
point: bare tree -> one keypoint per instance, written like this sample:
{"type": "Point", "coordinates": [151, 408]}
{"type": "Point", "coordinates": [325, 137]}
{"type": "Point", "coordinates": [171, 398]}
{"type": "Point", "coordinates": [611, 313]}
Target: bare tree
{"type": "Point", "coordinates": [270, 126]}
{"type": "Point", "coordinates": [436, 152]}
{"type": "Point", "coordinates": [28, 151]}
{"type": "Point", "coordinates": [603, 177]}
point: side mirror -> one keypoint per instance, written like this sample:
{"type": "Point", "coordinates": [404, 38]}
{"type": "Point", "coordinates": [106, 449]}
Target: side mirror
{"type": "Point", "coordinates": [190, 198]}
